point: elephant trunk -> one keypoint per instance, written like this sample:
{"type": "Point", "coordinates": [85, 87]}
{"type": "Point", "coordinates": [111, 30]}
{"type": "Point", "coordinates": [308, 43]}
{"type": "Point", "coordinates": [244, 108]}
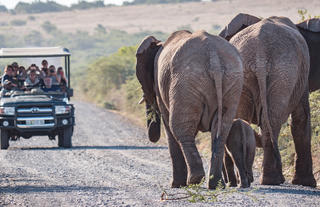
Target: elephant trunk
{"type": "Point", "coordinates": [153, 123]}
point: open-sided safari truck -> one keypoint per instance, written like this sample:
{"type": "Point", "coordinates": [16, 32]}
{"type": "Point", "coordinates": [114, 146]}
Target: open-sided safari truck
{"type": "Point", "coordinates": [37, 113]}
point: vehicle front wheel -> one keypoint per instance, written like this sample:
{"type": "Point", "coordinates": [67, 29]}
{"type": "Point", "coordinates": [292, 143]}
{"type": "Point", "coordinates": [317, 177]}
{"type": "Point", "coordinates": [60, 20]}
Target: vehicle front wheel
{"type": "Point", "coordinates": [4, 139]}
{"type": "Point", "coordinates": [64, 137]}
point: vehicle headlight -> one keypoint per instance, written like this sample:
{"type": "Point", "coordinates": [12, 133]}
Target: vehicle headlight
{"type": "Point", "coordinates": [7, 110]}
{"type": "Point", "coordinates": [63, 109]}
{"type": "Point", "coordinates": [66, 100]}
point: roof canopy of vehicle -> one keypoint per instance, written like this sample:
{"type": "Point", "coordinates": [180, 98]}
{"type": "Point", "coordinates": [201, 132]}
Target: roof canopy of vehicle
{"type": "Point", "coordinates": [34, 52]}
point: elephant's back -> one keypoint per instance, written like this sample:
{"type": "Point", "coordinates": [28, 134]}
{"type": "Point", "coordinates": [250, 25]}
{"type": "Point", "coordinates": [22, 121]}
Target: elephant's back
{"type": "Point", "coordinates": [274, 49]}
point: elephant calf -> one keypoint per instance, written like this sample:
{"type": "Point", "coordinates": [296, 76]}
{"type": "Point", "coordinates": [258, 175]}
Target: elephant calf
{"type": "Point", "coordinates": [241, 146]}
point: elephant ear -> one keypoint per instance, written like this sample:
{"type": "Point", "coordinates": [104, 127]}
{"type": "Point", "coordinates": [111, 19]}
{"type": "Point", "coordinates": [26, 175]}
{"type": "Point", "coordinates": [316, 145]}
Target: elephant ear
{"type": "Point", "coordinates": [145, 73]}
{"type": "Point", "coordinates": [312, 25]}
{"type": "Point", "coordinates": [145, 66]}
{"type": "Point", "coordinates": [237, 24]}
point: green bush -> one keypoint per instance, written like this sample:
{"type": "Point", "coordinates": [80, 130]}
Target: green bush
{"type": "Point", "coordinates": [34, 38]}
{"type": "Point", "coordinates": [157, 1]}
{"type": "Point", "coordinates": [49, 27]}
{"type": "Point", "coordinates": [18, 22]}
{"type": "Point", "coordinates": [110, 72]}
{"type": "Point", "coordinates": [31, 18]}
{"type": "Point", "coordinates": [81, 5]}
{"type": "Point", "coordinates": [39, 7]}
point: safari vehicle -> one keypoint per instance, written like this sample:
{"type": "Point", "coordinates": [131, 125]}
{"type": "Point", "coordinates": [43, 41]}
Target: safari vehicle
{"type": "Point", "coordinates": [37, 113]}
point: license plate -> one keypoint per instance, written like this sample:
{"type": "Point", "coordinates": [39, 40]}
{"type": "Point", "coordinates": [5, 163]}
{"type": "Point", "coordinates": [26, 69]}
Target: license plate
{"type": "Point", "coordinates": [35, 122]}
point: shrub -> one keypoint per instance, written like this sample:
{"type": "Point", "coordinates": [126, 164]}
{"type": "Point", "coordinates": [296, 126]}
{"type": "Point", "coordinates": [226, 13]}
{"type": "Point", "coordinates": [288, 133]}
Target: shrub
{"type": "Point", "coordinates": [18, 22]}
{"type": "Point", "coordinates": [48, 27]}
{"type": "Point", "coordinates": [81, 5]}
{"type": "Point", "coordinates": [31, 18]}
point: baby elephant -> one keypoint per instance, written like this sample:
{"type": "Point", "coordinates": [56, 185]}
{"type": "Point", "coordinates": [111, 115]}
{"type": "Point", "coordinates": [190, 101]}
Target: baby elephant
{"type": "Point", "coordinates": [240, 146]}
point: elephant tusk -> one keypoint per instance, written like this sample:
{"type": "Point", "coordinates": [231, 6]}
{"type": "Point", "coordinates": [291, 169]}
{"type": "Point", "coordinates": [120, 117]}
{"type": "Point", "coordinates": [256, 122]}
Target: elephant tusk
{"type": "Point", "coordinates": [141, 100]}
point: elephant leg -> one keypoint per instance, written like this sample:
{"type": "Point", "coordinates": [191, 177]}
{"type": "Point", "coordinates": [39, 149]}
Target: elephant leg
{"type": "Point", "coordinates": [224, 173]}
{"type": "Point", "coordinates": [218, 148]}
{"type": "Point", "coordinates": [184, 131]}
{"type": "Point", "coordinates": [301, 132]}
{"type": "Point", "coordinates": [179, 167]}
{"type": "Point", "coordinates": [232, 180]}
{"type": "Point", "coordinates": [244, 182]}
{"type": "Point", "coordinates": [272, 168]}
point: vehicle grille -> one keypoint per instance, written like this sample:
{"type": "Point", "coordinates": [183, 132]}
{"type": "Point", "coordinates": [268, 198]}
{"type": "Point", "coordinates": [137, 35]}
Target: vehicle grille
{"type": "Point", "coordinates": [35, 117]}
{"type": "Point", "coordinates": [34, 110]}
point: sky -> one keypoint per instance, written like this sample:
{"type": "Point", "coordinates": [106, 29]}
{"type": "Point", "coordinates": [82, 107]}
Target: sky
{"type": "Point", "coordinates": [10, 4]}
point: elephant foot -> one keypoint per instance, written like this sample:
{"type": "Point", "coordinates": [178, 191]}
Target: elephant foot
{"type": "Point", "coordinates": [232, 184]}
{"type": "Point", "coordinates": [272, 180]}
{"type": "Point", "coordinates": [245, 185]}
{"type": "Point", "coordinates": [213, 184]}
{"type": "Point", "coordinates": [305, 181]}
{"type": "Point", "coordinates": [195, 178]}
{"type": "Point", "coordinates": [178, 184]}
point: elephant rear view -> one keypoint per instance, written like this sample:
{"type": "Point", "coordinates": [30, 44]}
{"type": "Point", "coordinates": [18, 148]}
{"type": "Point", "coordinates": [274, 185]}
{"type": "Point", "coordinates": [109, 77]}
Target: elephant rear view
{"type": "Point", "coordinates": [194, 80]}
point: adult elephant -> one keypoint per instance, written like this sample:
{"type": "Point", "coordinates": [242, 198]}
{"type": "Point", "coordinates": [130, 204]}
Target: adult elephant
{"type": "Point", "coordinates": [276, 67]}
{"type": "Point", "coordinates": [310, 30]}
{"type": "Point", "coordinates": [194, 80]}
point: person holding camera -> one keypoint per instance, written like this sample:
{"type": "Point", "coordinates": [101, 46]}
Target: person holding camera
{"type": "Point", "coordinates": [52, 80]}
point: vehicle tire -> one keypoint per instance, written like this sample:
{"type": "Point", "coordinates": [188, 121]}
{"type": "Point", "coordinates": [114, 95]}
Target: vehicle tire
{"type": "Point", "coordinates": [64, 137]}
{"type": "Point", "coordinates": [4, 139]}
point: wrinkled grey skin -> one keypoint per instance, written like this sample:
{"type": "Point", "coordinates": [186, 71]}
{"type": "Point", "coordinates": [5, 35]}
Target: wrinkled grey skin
{"type": "Point", "coordinates": [310, 30]}
{"type": "Point", "coordinates": [194, 80]}
{"type": "Point", "coordinates": [241, 147]}
{"type": "Point", "coordinates": [276, 67]}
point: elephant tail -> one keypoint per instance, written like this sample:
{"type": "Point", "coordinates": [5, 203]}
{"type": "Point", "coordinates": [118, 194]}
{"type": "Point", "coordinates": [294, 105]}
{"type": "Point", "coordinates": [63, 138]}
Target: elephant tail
{"type": "Point", "coordinates": [217, 75]}
{"type": "Point", "coordinates": [262, 82]}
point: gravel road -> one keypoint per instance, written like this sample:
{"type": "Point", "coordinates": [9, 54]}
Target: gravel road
{"type": "Point", "coordinates": [111, 164]}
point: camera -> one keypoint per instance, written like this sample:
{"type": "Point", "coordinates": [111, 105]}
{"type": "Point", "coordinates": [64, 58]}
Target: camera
{"type": "Point", "coordinates": [51, 70]}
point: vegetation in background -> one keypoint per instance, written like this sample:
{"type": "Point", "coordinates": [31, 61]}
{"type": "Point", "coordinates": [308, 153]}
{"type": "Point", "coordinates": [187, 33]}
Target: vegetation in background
{"type": "Point", "coordinates": [18, 22]}
{"type": "Point", "coordinates": [49, 27]}
{"type": "Point", "coordinates": [39, 7]}
{"type": "Point", "coordinates": [81, 5]}
{"type": "Point", "coordinates": [135, 2]}
{"type": "Point", "coordinates": [51, 6]}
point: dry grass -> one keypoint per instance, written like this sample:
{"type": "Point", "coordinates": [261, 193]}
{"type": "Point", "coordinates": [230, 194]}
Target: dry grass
{"type": "Point", "coordinates": [165, 18]}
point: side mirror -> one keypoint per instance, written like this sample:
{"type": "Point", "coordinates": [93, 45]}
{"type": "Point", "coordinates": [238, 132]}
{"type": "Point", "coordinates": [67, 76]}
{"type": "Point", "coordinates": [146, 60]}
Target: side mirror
{"type": "Point", "coordinates": [70, 92]}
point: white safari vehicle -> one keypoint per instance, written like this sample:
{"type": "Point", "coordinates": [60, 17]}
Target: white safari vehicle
{"type": "Point", "coordinates": [37, 113]}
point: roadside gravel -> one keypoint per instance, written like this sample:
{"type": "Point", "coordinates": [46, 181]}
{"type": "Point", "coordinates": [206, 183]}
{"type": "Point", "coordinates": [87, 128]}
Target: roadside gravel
{"type": "Point", "coordinates": [112, 164]}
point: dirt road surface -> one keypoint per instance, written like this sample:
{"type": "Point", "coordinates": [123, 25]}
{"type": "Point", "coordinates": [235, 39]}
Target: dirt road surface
{"type": "Point", "coordinates": [111, 164]}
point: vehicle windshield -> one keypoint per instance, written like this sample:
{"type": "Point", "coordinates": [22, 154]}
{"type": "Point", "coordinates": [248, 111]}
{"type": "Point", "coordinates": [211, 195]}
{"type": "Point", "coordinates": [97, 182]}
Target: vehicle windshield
{"type": "Point", "coordinates": [34, 76]}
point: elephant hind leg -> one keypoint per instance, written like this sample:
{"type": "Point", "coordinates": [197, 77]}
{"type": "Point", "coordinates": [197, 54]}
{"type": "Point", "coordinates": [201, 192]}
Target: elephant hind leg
{"type": "Point", "coordinates": [179, 167]}
{"type": "Point", "coordinates": [184, 131]}
{"type": "Point", "coordinates": [229, 167]}
{"type": "Point", "coordinates": [301, 132]}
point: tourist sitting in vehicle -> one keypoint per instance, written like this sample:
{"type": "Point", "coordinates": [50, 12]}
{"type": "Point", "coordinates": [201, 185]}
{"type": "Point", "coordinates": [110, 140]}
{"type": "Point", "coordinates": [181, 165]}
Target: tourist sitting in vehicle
{"type": "Point", "coordinates": [63, 80]}
{"type": "Point", "coordinates": [44, 69]}
{"type": "Point", "coordinates": [7, 80]}
{"type": "Point", "coordinates": [22, 76]}
{"type": "Point", "coordinates": [52, 81]}
{"type": "Point", "coordinates": [15, 67]}
{"type": "Point", "coordinates": [33, 81]}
